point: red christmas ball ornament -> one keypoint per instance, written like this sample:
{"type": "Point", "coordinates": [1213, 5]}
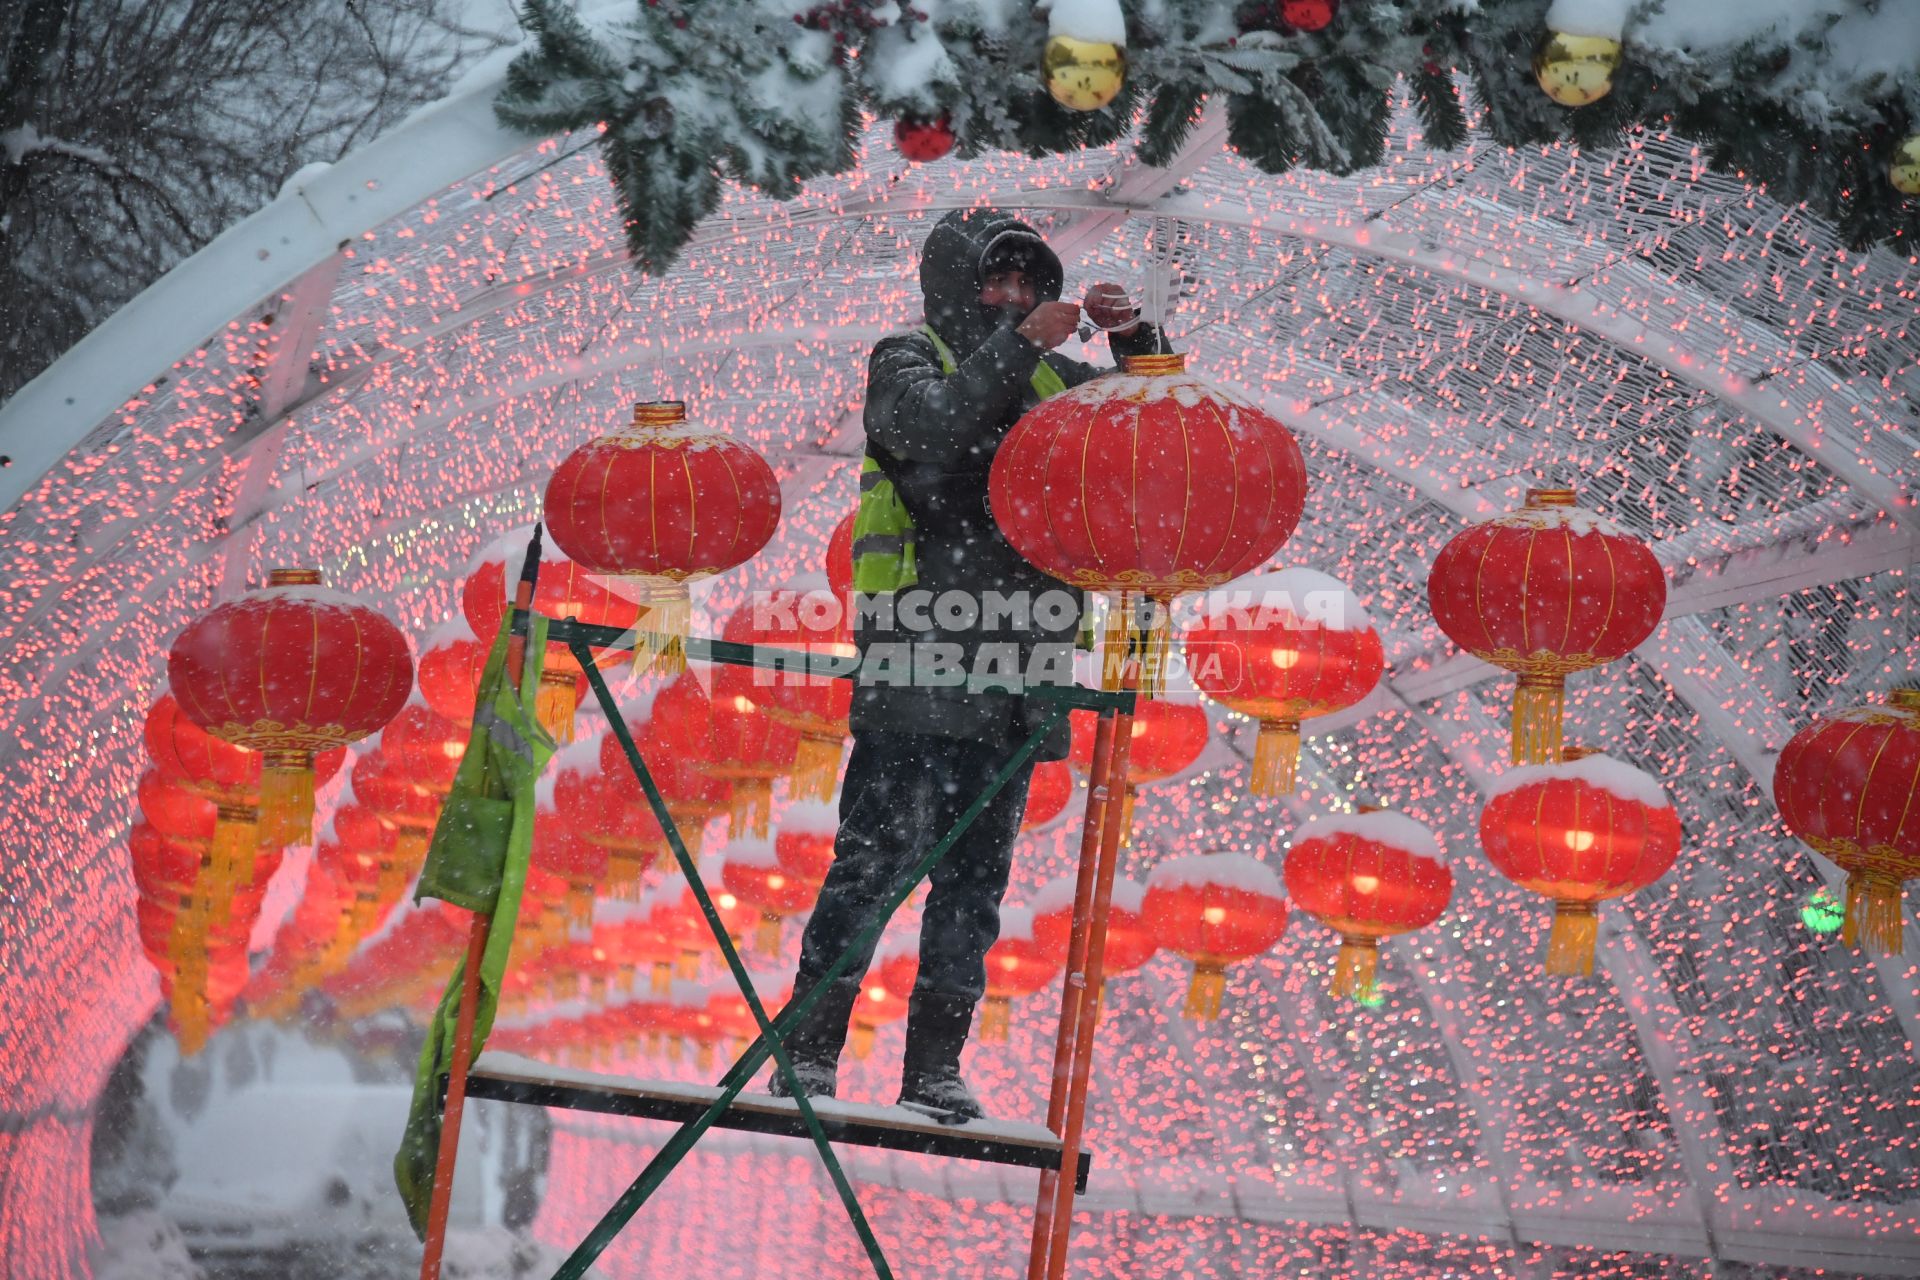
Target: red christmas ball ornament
{"type": "Point", "coordinates": [1215, 909]}
{"type": "Point", "coordinates": [1047, 794]}
{"type": "Point", "coordinates": [1282, 648]}
{"type": "Point", "coordinates": [1017, 966]}
{"type": "Point", "coordinates": [564, 590]}
{"type": "Point", "coordinates": [1579, 832]}
{"type": "Point", "coordinates": [659, 504]}
{"type": "Point", "coordinates": [1309, 15]}
{"type": "Point", "coordinates": [1147, 485]}
{"type": "Point", "coordinates": [290, 671]}
{"type": "Point", "coordinates": [1130, 943]}
{"type": "Point", "coordinates": [922, 139]}
{"type": "Point", "coordinates": [1366, 876]}
{"type": "Point", "coordinates": [1544, 592]}
{"type": "Point", "coordinates": [1846, 785]}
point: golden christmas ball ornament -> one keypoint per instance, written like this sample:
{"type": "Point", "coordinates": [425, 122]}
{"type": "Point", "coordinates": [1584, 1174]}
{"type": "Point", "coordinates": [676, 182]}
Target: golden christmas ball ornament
{"type": "Point", "coordinates": [1904, 172]}
{"type": "Point", "coordinates": [1576, 70]}
{"type": "Point", "coordinates": [1084, 75]}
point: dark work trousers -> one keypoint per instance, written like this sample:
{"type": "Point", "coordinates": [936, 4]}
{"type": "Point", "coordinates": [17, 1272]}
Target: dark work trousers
{"type": "Point", "coordinates": [902, 793]}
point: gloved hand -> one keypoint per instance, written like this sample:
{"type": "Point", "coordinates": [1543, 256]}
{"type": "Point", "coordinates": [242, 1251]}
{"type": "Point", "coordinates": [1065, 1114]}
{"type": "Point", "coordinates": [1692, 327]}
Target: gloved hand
{"type": "Point", "coordinates": [1050, 324]}
{"type": "Point", "coordinates": [1109, 308]}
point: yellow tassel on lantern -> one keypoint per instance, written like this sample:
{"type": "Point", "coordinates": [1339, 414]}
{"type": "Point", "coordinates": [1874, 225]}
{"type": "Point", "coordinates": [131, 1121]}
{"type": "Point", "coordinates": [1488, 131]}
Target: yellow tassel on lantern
{"type": "Point", "coordinates": [662, 631]}
{"type": "Point", "coordinates": [1138, 632]}
{"type": "Point", "coordinates": [662, 981]}
{"type": "Point", "coordinates": [286, 799]}
{"type": "Point", "coordinates": [996, 1016]}
{"type": "Point", "coordinates": [1353, 972]}
{"type": "Point", "coordinates": [1571, 941]}
{"type": "Point", "coordinates": [766, 937]}
{"type": "Point", "coordinates": [580, 903]}
{"type": "Point", "coordinates": [236, 838]}
{"type": "Point", "coordinates": [688, 965]}
{"type": "Point", "coordinates": [1538, 703]}
{"type": "Point", "coordinates": [1128, 794]}
{"type": "Point", "coordinates": [555, 702]}
{"type": "Point", "coordinates": [1873, 921]}
{"type": "Point", "coordinates": [816, 766]}
{"type": "Point", "coordinates": [1207, 989]}
{"type": "Point", "coordinates": [1276, 758]}
{"type": "Point", "coordinates": [750, 807]}
{"type": "Point", "coordinates": [861, 1039]}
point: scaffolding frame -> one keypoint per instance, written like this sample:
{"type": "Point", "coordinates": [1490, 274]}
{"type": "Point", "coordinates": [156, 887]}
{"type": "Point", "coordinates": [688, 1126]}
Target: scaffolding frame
{"type": "Point", "coordinates": [1101, 836]}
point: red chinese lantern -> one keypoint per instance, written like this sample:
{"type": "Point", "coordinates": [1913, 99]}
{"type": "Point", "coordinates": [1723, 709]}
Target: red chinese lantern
{"type": "Point", "coordinates": [564, 590]}
{"type": "Point", "coordinates": [1149, 484]}
{"type": "Point", "coordinates": [840, 560]}
{"type": "Point", "coordinates": [1845, 785]}
{"type": "Point", "coordinates": [922, 139]}
{"type": "Point", "coordinates": [560, 850]}
{"type": "Point", "coordinates": [633, 940]}
{"type": "Point", "coordinates": [1017, 966]}
{"type": "Point", "coordinates": [1366, 876]}
{"type": "Point", "coordinates": [1047, 794]}
{"type": "Point", "coordinates": [1579, 832]}
{"type": "Point", "coordinates": [426, 744]}
{"type": "Point", "coordinates": [1215, 909]}
{"type": "Point", "coordinates": [873, 1008]}
{"type": "Point", "coordinates": [806, 617]}
{"type": "Point", "coordinates": [729, 1007]}
{"type": "Point", "coordinates": [676, 914]}
{"type": "Point", "coordinates": [749, 750]}
{"type": "Point", "coordinates": [1544, 592]}
{"type": "Point", "coordinates": [450, 667]}
{"type": "Point", "coordinates": [751, 871]}
{"type": "Point", "coordinates": [897, 962]}
{"type": "Point", "coordinates": [383, 785]}
{"type": "Point", "coordinates": [804, 843]}
{"type": "Point", "coordinates": [290, 671]}
{"type": "Point", "coordinates": [163, 869]}
{"type": "Point", "coordinates": [1281, 648]}
{"type": "Point", "coordinates": [661, 503]}
{"type": "Point", "coordinates": [1130, 942]}
{"type": "Point", "coordinates": [1168, 735]}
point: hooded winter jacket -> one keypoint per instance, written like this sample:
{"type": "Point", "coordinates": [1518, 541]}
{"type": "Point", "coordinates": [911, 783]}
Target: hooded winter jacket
{"type": "Point", "coordinates": [934, 435]}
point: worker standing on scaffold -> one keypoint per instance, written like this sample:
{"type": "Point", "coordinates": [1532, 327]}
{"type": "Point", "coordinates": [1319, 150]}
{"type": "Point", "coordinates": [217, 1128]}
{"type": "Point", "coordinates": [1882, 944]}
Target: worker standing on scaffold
{"type": "Point", "coordinates": [937, 584]}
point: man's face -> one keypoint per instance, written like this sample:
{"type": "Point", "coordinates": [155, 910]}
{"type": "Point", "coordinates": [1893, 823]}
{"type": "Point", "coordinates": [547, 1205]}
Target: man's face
{"type": "Point", "coordinates": [1009, 292]}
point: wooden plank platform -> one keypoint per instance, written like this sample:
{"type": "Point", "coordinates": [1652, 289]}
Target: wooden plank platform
{"type": "Point", "coordinates": [507, 1077]}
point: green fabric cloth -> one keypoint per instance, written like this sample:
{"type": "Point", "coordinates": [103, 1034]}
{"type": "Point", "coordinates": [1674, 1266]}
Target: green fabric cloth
{"type": "Point", "coordinates": [477, 860]}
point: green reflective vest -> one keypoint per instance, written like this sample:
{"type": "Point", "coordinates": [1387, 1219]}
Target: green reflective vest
{"type": "Point", "coordinates": [882, 528]}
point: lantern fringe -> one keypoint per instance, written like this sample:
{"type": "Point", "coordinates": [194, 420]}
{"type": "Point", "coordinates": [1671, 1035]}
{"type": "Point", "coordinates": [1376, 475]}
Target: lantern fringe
{"type": "Point", "coordinates": [286, 800]}
{"type": "Point", "coordinates": [1276, 758]}
{"type": "Point", "coordinates": [662, 642]}
{"type": "Point", "coordinates": [688, 965]}
{"type": "Point", "coordinates": [555, 703]}
{"type": "Point", "coordinates": [661, 984]}
{"type": "Point", "coordinates": [1127, 637]}
{"type": "Point", "coordinates": [1538, 704]}
{"type": "Point", "coordinates": [860, 1039]}
{"type": "Point", "coordinates": [1873, 921]}
{"type": "Point", "coordinates": [750, 807]}
{"type": "Point", "coordinates": [1355, 969]}
{"type": "Point", "coordinates": [1206, 991]}
{"type": "Point", "coordinates": [816, 767]}
{"type": "Point", "coordinates": [703, 1055]}
{"type": "Point", "coordinates": [626, 973]}
{"type": "Point", "coordinates": [996, 1018]}
{"type": "Point", "coordinates": [580, 903]}
{"type": "Point", "coordinates": [236, 838]}
{"type": "Point", "coordinates": [766, 936]}
{"type": "Point", "coordinates": [1571, 941]}
{"type": "Point", "coordinates": [1128, 794]}
{"type": "Point", "coordinates": [625, 868]}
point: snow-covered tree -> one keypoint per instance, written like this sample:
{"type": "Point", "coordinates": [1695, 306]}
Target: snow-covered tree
{"type": "Point", "coordinates": [133, 131]}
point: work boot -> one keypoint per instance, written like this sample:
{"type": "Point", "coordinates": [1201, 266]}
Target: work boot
{"type": "Point", "coordinates": [930, 1082]}
{"type": "Point", "coordinates": [814, 1046]}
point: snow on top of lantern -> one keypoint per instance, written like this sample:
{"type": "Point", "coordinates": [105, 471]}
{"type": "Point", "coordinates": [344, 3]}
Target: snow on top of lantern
{"type": "Point", "coordinates": [1612, 776]}
{"type": "Point", "coordinates": [1316, 598]}
{"type": "Point", "coordinates": [1604, 18]}
{"type": "Point", "coordinates": [1016, 924]}
{"type": "Point", "coordinates": [687, 994]}
{"type": "Point", "coordinates": [812, 817]}
{"type": "Point", "coordinates": [582, 755]}
{"type": "Point", "coordinates": [452, 631]}
{"type": "Point", "coordinates": [1575, 520]}
{"type": "Point", "coordinates": [1227, 870]}
{"type": "Point", "coordinates": [1096, 20]}
{"type": "Point", "coordinates": [1186, 390]}
{"type": "Point", "coordinates": [1395, 830]}
{"type": "Point", "coordinates": [1056, 895]}
{"type": "Point", "coordinates": [314, 594]}
{"type": "Point", "coordinates": [751, 851]}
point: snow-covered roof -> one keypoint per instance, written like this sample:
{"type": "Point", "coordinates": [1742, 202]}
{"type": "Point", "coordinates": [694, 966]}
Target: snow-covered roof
{"type": "Point", "coordinates": [376, 373]}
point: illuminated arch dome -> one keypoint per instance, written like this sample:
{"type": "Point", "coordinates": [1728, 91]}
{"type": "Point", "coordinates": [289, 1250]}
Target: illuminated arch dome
{"type": "Point", "coordinates": [376, 373]}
